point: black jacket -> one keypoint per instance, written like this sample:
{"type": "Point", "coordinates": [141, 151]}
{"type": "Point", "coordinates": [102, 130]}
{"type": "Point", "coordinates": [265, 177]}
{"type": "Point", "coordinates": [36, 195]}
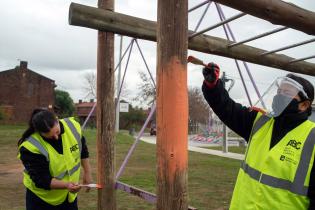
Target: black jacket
{"type": "Point", "coordinates": [37, 165]}
{"type": "Point", "coordinates": [240, 119]}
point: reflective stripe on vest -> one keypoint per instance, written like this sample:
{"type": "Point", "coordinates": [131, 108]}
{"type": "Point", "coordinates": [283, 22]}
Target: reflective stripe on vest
{"type": "Point", "coordinates": [262, 120]}
{"type": "Point", "coordinates": [72, 171]}
{"type": "Point", "coordinates": [294, 187]}
{"type": "Point", "coordinates": [259, 123]}
{"type": "Point", "coordinates": [297, 186]}
{"type": "Point", "coordinates": [42, 150]}
{"type": "Point", "coordinates": [74, 132]}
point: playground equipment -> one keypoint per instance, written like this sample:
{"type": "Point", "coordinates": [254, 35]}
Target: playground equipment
{"type": "Point", "coordinates": [171, 34]}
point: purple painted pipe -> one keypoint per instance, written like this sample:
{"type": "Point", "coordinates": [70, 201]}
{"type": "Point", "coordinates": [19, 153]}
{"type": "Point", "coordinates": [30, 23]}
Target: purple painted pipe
{"type": "Point", "coordinates": [133, 147]}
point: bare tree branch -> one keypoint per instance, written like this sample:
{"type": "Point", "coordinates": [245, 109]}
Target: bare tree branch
{"type": "Point", "coordinates": [198, 107]}
{"type": "Point", "coordinates": [147, 92]}
{"type": "Point", "coordinates": [89, 86]}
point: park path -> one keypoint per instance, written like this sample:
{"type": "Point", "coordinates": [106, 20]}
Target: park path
{"type": "Point", "coordinates": [197, 147]}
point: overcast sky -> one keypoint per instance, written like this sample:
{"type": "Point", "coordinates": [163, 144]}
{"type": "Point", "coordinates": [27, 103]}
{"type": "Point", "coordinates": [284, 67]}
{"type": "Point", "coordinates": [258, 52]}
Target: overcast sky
{"type": "Point", "coordinates": [37, 31]}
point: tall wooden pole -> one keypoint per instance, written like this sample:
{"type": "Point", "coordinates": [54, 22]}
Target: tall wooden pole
{"type": "Point", "coordinates": [172, 105]}
{"type": "Point", "coordinates": [105, 115]}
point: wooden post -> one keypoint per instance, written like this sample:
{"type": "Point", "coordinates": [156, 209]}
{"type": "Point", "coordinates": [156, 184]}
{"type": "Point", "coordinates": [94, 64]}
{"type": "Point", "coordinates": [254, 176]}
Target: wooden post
{"type": "Point", "coordinates": [172, 105]}
{"type": "Point", "coordinates": [144, 29]}
{"type": "Point", "coordinates": [105, 116]}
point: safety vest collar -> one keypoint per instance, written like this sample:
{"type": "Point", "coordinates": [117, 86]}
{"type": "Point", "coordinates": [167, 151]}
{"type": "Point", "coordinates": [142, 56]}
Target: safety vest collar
{"type": "Point", "coordinates": [297, 186]}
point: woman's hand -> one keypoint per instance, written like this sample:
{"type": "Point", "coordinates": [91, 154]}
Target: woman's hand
{"type": "Point", "coordinates": [73, 187]}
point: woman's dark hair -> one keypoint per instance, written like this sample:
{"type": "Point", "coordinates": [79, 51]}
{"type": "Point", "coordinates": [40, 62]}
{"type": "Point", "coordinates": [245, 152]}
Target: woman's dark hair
{"type": "Point", "coordinates": [307, 87]}
{"type": "Point", "coordinates": [41, 121]}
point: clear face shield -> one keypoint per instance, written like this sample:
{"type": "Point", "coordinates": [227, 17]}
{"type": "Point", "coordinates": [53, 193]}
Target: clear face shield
{"type": "Point", "coordinates": [279, 95]}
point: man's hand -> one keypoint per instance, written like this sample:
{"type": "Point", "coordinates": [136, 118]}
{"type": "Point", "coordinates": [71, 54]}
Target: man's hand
{"type": "Point", "coordinates": [211, 74]}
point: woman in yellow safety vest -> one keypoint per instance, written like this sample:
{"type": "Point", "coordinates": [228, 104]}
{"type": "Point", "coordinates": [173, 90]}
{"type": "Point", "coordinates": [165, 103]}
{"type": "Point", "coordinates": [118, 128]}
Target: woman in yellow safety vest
{"type": "Point", "coordinates": [278, 171]}
{"type": "Point", "coordinates": [52, 152]}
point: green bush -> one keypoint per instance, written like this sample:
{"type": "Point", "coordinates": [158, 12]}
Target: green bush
{"type": "Point", "coordinates": [64, 103]}
{"type": "Point", "coordinates": [132, 119]}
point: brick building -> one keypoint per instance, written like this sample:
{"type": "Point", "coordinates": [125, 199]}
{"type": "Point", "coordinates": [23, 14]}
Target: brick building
{"type": "Point", "coordinates": [22, 90]}
{"type": "Point", "coordinates": [82, 110]}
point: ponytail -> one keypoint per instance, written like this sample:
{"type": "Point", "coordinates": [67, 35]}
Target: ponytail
{"type": "Point", "coordinates": [41, 120]}
{"type": "Point", "coordinates": [26, 134]}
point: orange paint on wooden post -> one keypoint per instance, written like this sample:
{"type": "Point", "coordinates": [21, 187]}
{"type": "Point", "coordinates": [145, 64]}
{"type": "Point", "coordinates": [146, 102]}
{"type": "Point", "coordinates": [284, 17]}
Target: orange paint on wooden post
{"type": "Point", "coordinates": [172, 105]}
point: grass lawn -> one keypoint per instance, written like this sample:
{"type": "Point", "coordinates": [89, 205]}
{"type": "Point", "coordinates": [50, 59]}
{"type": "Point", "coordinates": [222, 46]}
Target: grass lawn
{"type": "Point", "coordinates": [211, 179]}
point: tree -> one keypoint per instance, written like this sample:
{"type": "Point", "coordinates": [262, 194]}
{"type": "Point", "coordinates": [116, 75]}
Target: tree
{"type": "Point", "coordinates": [134, 118]}
{"type": "Point", "coordinates": [198, 107]}
{"type": "Point", "coordinates": [64, 103]}
{"type": "Point", "coordinates": [89, 86]}
{"type": "Point", "coordinates": [147, 91]}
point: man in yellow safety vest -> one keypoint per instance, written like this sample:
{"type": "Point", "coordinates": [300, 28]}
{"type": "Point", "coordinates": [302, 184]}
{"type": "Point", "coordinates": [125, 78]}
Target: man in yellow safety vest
{"type": "Point", "coordinates": [278, 172]}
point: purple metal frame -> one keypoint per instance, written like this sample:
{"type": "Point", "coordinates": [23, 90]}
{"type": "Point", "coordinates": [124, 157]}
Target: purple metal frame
{"type": "Point", "coordinates": [93, 108]}
{"type": "Point", "coordinates": [289, 47]}
{"type": "Point", "coordinates": [302, 59]}
{"type": "Point", "coordinates": [236, 61]}
{"type": "Point", "coordinates": [197, 6]}
{"type": "Point", "coordinates": [258, 36]}
{"type": "Point", "coordinates": [88, 117]}
{"type": "Point", "coordinates": [245, 64]}
{"type": "Point", "coordinates": [133, 147]}
{"type": "Point", "coordinates": [202, 16]}
{"type": "Point", "coordinates": [123, 79]}
{"type": "Point", "coordinates": [218, 24]}
{"type": "Point", "coordinates": [150, 197]}
{"type": "Point", "coordinates": [122, 57]}
{"type": "Point", "coordinates": [145, 62]}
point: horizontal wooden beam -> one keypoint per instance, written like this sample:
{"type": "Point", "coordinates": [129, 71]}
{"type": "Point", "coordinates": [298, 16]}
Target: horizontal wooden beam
{"type": "Point", "coordinates": [104, 20]}
{"type": "Point", "coordinates": [277, 12]}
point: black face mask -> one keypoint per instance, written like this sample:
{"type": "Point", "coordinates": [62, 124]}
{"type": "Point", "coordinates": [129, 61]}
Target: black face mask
{"type": "Point", "coordinates": [279, 100]}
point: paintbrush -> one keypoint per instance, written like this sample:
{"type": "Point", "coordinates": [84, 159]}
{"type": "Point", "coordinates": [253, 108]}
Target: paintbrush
{"type": "Point", "coordinates": [98, 186]}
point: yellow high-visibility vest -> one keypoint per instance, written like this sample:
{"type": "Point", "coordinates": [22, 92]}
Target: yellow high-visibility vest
{"type": "Point", "coordinates": [65, 167]}
{"type": "Point", "coordinates": [276, 178]}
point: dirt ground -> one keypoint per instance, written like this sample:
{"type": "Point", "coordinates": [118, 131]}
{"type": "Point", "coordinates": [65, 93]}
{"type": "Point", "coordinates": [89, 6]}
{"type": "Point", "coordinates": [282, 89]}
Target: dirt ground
{"type": "Point", "coordinates": [11, 186]}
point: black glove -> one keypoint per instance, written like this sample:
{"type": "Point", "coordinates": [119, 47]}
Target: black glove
{"type": "Point", "coordinates": [211, 74]}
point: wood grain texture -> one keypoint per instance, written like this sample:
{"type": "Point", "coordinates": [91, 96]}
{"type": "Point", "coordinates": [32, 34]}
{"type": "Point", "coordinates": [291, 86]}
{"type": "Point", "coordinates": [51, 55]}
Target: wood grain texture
{"type": "Point", "coordinates": [172, 105]}
{"type": "Point", "coordinates": [106, 116]}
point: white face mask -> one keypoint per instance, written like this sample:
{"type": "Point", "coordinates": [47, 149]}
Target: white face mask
{"type": "Point", "coordinates": [279, 95]}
